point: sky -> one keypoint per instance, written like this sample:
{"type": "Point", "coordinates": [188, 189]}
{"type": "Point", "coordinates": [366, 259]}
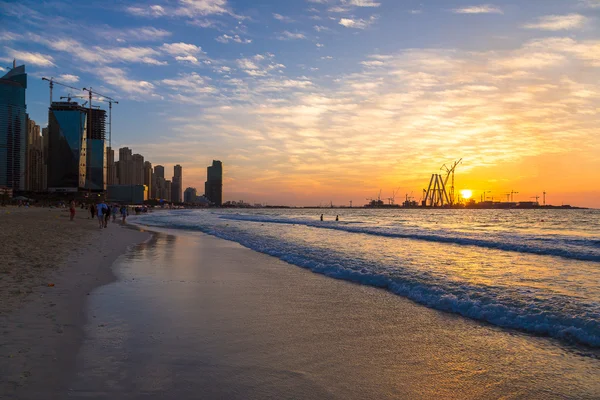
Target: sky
{"type": "Point", "coordinates": [309, 102]}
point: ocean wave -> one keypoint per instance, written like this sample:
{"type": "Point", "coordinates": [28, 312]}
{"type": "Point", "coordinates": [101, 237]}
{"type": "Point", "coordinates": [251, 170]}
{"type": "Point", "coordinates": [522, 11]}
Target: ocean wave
{"type": "Point", "coordinates": [571, 248]}
{"type": "Point", "coordinates": [556, 316]}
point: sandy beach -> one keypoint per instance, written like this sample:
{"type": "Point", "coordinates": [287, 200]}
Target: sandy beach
{"type": "Point", "coordinates": [49, 266]}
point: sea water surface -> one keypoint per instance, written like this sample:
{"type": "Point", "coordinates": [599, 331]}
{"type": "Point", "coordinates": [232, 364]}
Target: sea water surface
{"type": "Point", "coordinates": [536, 271]}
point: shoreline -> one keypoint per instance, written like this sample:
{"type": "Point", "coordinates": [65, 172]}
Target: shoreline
{"type": "Point", "coordinates": [42, 334]}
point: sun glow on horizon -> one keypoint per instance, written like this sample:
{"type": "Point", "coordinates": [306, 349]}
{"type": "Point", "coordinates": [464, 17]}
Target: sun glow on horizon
{"type": "Point", "coordinates": [466, 194]}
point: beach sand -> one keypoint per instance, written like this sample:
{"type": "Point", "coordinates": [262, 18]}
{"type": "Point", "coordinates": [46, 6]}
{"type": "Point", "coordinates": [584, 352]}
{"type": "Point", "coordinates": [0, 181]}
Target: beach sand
{"type": "Point", "coordinates": [41, 325]}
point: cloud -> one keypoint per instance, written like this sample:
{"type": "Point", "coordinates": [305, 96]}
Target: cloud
{"type": "Point", "coordinates": [181, 48]}
{"type": "Point", "coordinates": [259, 65]}
{"type": "Point", "coordinates": [143, 34]}
{"type": "Point", "coordinates": [184, 8]}
{"type": "Point", "coordinates": [362, 3]}
{"type": "Point", "coordinates": [68, 78]}
{"type": "Point", "coordinates": [192, 83]}
{"type": "Point", "coordinates": [38, 59]}
{"type": "Point", "coordinates": [118, 78]}
{"type": "Point", "coordinates": [320, 28]}
{"type": "Point", "coordinates": [9, 36]}
{"type": "Point", "coordinates": [235, 38]}
{"type": "Point", "coordinates": [282, 18]}
{"type": "Point", "coordinates": [101, 55]}
{"type": "Point", "coordinates": [591, 3]}
{"type": "Point", "coordinates": [287, 35]}
{"type": "Point", "coordinates": [558, 22]}
{"type": "Point", "coordinates": [481, 9]}
{"type": "Point", "coordinates": [357, 23]}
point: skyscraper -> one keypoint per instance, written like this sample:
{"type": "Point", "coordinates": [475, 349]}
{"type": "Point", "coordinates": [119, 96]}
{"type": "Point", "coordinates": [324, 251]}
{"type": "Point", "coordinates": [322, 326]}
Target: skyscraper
{"type": "Point", "coordinates": [111, 167]}
{"type": "Point", "coordinates": [66, 147]}
{"type": "Point", "coordinates": [138, 169]}
{"type": "Point", "coordinates": [167, 191]}
{"type": "Point", "coordinates": [13, 128]}
{"type": "Point", "coordinates": [177, 183]}
{"type": "Point", "coordinates": [125, 166]}
{"type": "Point", "coordinates": [35, 159]}
{"type": "Point", "coordinates": [96, 166]}
{"type": "Point", "coordinates": [213, 188]}
{"type": "Point", "coordinates": [159, 177]}
{"type": "Point", "coordinates": [148, 174]}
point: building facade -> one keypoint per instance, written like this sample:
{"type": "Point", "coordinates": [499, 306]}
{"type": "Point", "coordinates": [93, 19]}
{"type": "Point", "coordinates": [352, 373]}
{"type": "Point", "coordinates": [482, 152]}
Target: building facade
{"type": "Point", "coordinates": [35, 180]}
{"type": "Point", "coordinates": [190, 195]}
{"type": "Point", "coordinates": [138, 169]}
{"type": "Point", "coordinates": [168, 191]}
{"type": "Point", "coordinates": [66, 147]}
{"type": "Point", "coordinates": [96, 161]}
{"type": "Point", "coordinates": [177, 184]}
{"type": "Point", "coordinates": [213, 188]}
{"type": "Point", "coordinates": [125, 166]}
{"type": "Point", "coordinates": [111, 167]}
{"type": "Point", "coordinates": [13, 128]}
{"type": "Point", "coordinates": [148, 177]}
{"type": "Point", "coordinates": [159, 178]}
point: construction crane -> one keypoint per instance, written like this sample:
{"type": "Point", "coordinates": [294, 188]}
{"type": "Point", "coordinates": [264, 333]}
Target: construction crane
{"type": "Point", "coordinates": [450, 171]}
{"type": "Point", "coordinates": [537, 199]}
{"type": "Point", "coordinates": [483, 195]}
{"type": "Point", "coordinates": [436, 194]}
{"type": "Point", "coordinates": [53, 82]}
{"type": "Point", "coordinates": [110, 102]}
{"type": "Point", "coordinates": [512, 195]}
{"type": "Point", "coordinates": [391, 200]}
{"type": "Point", "coordinates": [544, 197]}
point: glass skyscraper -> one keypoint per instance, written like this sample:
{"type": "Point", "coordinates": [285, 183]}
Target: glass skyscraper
{"type": "Point", "coordinates": [13, 128]}
{"type": "Point", "coordinates": [67, 147]}
{"type": "Point", "coordinates": [96, 172]}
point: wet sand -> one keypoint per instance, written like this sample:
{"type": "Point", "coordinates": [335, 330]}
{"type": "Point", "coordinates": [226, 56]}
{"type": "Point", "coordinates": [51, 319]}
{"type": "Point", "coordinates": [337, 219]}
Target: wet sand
{"type": "Point", "coordinates": [41, 326]}
{"type": "Point", "coordinates": [195, 317]}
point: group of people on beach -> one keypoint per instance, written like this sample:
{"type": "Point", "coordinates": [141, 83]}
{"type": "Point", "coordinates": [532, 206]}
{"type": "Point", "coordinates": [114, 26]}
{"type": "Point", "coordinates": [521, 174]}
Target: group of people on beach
{"type": "Point", "coordinates": [103, 211]}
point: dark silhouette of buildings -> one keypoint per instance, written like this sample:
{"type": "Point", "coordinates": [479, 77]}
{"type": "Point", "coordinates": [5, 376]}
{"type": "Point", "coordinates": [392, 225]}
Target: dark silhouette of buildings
{"type": "Point", "coordinates": [13, 128]}
{"type": "Point", "coordinates": [176, 184]}
{"type": "Point", "coordinates": [213, 188]}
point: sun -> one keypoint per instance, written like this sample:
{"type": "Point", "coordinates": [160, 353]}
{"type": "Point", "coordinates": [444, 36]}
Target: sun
{"type": "Point", "coordinates": [466, 194]}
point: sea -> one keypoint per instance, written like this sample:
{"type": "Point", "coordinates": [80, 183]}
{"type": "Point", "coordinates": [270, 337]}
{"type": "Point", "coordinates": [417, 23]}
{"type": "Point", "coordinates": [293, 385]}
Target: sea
{"type": "Point", "coordinates": [535, 271]}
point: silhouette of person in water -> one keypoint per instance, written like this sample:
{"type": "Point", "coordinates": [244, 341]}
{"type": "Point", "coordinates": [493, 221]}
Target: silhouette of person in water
{"type": "Point", "coordinates": [321, 217]}
{"type": "Point", "coordinates": [337, 217]}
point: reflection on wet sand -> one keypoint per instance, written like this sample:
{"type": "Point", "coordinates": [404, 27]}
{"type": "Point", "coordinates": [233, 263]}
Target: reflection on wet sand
{"type": "Point", "coordinates": [198, 317]}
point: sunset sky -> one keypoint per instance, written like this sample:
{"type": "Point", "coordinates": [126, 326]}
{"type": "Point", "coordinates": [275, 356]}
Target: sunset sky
{"type": "Point", "coordinates": [312, 101]}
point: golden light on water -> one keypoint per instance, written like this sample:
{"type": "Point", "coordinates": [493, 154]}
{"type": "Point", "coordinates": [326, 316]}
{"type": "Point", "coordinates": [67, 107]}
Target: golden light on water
{"type": "Point", "coordinates": [466, 194]}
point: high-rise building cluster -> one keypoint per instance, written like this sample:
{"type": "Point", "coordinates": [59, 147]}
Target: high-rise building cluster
{"type": "Point", "coordinates": [132, 169]}
{"type": "Point", "coordinates": [70, 154]}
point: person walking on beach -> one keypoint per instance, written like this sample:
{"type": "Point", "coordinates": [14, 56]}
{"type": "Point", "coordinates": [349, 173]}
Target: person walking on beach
{"type": "Point", "coordinates": [337, 217]}
{"type": "Point", "coordinates": [321, 217]}
{"type": "Point", "coordinates": [72, 209]}
{"type": "Point", "coordinates": [100, 214]}
{"type": "Point", "coordinates": [123, 213]}
{"type": "Point", "coordinates": [92, 211]}
{"type": "Point", "coordinates": [106, 214]}
{"type": "Point", "coordinates": [114, 212]}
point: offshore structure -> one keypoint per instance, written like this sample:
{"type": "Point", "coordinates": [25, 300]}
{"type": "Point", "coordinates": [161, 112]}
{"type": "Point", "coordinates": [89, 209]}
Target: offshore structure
{"type": "Point", "coordinates": [436, 194]}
